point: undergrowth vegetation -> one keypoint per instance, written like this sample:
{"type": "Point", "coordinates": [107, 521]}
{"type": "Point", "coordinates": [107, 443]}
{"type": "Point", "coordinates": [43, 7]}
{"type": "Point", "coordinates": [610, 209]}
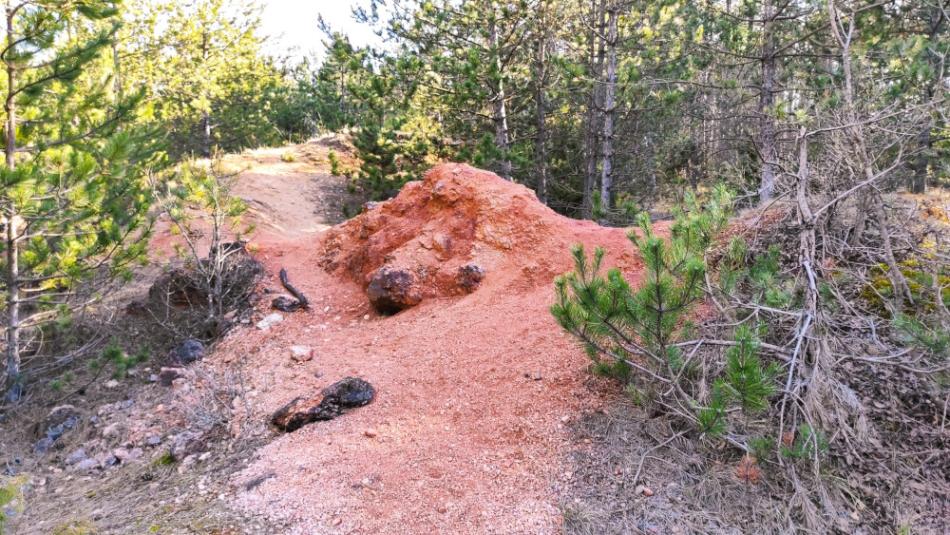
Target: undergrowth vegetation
{"type": "Point", "coordinates": [715, 335]}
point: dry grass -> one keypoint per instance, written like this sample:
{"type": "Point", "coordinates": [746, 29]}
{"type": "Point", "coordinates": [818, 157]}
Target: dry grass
{"type": "Point", "coordinates": [694, 486]}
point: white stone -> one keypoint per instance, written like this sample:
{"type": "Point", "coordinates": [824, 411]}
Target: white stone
{"type": "Point", "coordinates": [269, 320]}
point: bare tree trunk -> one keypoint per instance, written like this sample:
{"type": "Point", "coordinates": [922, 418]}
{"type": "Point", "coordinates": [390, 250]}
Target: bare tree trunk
{"type": "Point", "coordinates": [500, 113]}
{"type": "Point", "coordinates": [606, 176]}
{"type": "Point", "coordinates": [596, 57]}
{"type": "Point", "coordinates": [767, 140]}
{"type": "Point", "coordinates": [540, 101]}
{"type": "Point", "coordinates": [12, 223]}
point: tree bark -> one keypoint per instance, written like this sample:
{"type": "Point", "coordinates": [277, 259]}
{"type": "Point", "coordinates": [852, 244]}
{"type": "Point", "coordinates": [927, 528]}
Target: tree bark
{"type": "Point", "coordinates": [12, 224]}
{"type": "Point", "coordinates": [500, 112]}
{"type": "Point", "coordinates": [596, 59]}
{"type": "Point", "coordinates": [767, 141]}
{"type": "Point", "coordinates": [610, 87]}
{"type": "Point", "coordinates": [540, 102]}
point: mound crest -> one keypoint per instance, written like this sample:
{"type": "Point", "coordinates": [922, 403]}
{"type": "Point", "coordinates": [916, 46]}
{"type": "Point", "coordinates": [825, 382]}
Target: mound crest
{"type": "Point", "coordinates": [442, 236]}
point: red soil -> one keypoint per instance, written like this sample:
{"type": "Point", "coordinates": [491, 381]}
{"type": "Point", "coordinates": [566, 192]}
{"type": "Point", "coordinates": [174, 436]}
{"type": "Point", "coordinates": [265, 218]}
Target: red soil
{"type": "Point", "coordinates": [467, 432]}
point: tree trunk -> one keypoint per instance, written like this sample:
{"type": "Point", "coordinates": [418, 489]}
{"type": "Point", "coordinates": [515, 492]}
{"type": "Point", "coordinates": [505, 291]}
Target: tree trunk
{"type": "Point", "coordinates": [500, 113]}
{"type": "Point", "coordinates": [610, 87]}
{"type": "Point", "coordinates": [206, 134]}
{"type": "Point", "coordinates": [540, 102]}
{"type": "Point", "coordinates": [596, 58]}
{"type": "Point", "coordinates": [767, 141]}
{"type": "Point", "coordinates": [921, 167]}
{"type": "Point", "coordinates": [12, 238]}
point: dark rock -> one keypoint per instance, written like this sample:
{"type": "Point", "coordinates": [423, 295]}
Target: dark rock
{"type": "Point", "coordinates": [330, 403]}
{"type": "Point", "coordinates": [284, 303]}
{"type": "Point", "coordinates": [391, 290]}
{"type": "Point", "coordinates": [189, 351]}
{"type": "Point", "coordinates": [60, 420]}
{"type": "Point", "coordinates": [287, 304]}
{"type": "Point", "coordinates": [168, 375]}
{"type": "Point", "coordinates": [469, 277]}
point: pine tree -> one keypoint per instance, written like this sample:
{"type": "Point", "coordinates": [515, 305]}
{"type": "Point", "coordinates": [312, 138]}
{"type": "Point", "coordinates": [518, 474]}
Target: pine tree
{"type": "Point", "coordinates": [638, 328]}
{"type": "Point", "coordinates": [209, 83]}
{"type": "Point", "coordinates": [72, 190]}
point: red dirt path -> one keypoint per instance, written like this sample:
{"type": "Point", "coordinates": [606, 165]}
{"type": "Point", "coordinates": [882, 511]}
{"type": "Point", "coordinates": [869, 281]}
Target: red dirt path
{"type": "Point", "coordinates": [459, 439]}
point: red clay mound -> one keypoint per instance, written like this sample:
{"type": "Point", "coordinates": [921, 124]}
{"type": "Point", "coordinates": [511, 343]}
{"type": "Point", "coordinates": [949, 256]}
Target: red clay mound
{"type": "Point", "coordinates": [467, 432]}
{"type": "Point", "coordinates": [448, 231]}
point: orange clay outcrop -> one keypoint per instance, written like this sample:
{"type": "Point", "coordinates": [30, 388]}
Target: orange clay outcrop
{"type": "Point", "coordinates": [441, 229]}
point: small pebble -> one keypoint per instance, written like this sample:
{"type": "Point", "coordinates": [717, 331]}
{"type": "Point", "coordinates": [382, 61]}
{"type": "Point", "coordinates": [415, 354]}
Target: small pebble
{"type": "Point", "coordinates": [644, 490]}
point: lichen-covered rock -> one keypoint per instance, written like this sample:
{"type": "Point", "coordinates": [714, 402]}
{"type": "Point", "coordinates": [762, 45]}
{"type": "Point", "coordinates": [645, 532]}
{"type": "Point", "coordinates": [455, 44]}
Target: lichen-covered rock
{"type": "Point", "coordinates": [331, 402]}
{"type": "Point", "coordinates": [392, 289]}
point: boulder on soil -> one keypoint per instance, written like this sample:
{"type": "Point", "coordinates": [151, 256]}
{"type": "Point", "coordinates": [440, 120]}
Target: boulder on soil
{"type": "Point", "coordinates": [391, 290]}
{"type": "Point", "coordinates": [331, 402]}
{"type": "Point", "coordinates": [189, 351]}
{"type": "Point", "coordinates": [469, 277]}
{"type": "Point", "coordinates": [59, 420]}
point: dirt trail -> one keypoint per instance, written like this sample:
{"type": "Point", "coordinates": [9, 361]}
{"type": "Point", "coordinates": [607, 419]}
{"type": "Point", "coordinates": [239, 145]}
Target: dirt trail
{"type": "Point", "coordinates": [467, 433]}
{"type": "Point", "coordinates": [289, 200]}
